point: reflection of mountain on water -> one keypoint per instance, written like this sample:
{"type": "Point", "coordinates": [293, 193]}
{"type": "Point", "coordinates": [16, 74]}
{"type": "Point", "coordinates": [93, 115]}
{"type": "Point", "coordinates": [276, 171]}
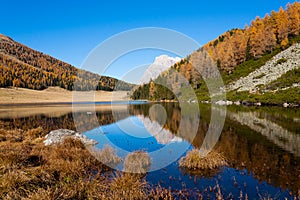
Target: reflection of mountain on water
{"type": "Point", "coordinates": [161, 135]}
{"type": "Point", "coordinates": [275, 133]}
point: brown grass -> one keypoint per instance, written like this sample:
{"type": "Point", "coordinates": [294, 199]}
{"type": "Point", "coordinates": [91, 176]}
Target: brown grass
{"type": "Point", "coordinates": [30, 170]}
{"type": "Point", "coordinates": [54, 95]}
{"type": "Point", "coordinates": [107, 156]}
{"type": "Point", "coordinates": [194, 160]}
{"type": "Point", "coordinates": [137, 162]}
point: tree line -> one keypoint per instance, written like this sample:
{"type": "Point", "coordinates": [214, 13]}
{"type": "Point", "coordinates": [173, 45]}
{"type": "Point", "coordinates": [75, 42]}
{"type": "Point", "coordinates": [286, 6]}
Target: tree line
{"type": "Point", "coordinates": [263, 36]}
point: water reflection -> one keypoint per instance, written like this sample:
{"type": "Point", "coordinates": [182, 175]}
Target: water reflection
{"type": "Point", "coordinates": [262, 143]}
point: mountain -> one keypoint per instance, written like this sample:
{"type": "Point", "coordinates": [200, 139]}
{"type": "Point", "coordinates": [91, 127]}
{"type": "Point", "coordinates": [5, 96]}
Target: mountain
{"type": "Point", "coordinates": [160, 64]}
{"type": "Point", "coordinates": [21, 66]}
{"type": "Point", "coordinates": [259, 63]}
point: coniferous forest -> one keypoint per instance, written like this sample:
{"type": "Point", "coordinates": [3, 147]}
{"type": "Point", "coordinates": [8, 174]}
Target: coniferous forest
{"type": "Point", "coordinates": [21, 66]}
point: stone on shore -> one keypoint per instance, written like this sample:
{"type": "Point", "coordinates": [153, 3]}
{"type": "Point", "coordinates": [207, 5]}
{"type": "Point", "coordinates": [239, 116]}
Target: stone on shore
{"type": "Point", "coordinates": [58, 136]}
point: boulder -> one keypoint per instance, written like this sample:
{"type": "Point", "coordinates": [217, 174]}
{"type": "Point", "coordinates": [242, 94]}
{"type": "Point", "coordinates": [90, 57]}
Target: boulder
{"type": "Point", "coordinates": [58, 136]}
{"type": "Point", "coordinates": [285, 105]}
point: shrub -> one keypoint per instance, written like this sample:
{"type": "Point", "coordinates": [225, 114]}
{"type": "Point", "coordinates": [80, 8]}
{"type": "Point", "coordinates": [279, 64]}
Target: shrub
{"type": "Point", "coordinates": [280, 61]}
{"type": "Point", "coordinates": [195, 160]}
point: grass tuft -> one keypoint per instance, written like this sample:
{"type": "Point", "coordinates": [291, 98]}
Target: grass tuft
{"type": "Point", "coordinates": [107, 156]}
{"type": "Point", "coordinates": [137, 162]}
{"type": "Point", "coordinates": [194, 160]}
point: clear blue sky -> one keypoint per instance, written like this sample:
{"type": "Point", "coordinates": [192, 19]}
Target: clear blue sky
{"type": "Point", "coordinates": [69, 30]}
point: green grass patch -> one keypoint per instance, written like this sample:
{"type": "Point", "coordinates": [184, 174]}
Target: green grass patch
{"type": "Point", "coordinates": [280, 61]}
{"type": "Point", "coordinates": [291, 95]}
{"type": "Point", "coordinates": [260, 76]}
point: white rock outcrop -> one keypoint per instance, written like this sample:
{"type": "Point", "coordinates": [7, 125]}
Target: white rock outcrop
{"type": "Point", "coordinates": [58, 136]}
{"type": "Point", "coordinates": [269, 72]}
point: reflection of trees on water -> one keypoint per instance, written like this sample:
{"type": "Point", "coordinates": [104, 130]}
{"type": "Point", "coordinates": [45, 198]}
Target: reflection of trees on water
{"type": "Point", "coordinates": [60, 122]}
{"type": "Point", "coordinates": [244, 146]}
{"type": "Point", "coordinates": [244, 141]}
{"type": "Point", "coordinates": [275, 133]}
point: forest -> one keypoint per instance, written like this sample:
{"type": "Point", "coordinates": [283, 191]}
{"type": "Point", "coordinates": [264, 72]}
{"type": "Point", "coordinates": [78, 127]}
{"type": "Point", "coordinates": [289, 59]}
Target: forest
{"type": "Point", "coordinates": [21, 66]}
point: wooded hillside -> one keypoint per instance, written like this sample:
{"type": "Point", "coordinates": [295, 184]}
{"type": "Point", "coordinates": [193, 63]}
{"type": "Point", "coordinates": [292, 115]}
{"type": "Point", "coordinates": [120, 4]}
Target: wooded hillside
{"type": "Point", "coordinates": [263, 36]}
{"type": "Point", "coordinates": [21, 66]}
{"type": "Point", "coordinates": [237, 53]}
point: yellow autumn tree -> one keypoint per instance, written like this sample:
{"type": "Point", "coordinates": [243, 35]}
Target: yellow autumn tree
{"type": "Point", "coordinates": [293, 18]}
{"type": "Point", "coordinates": [257, 38]}
{"type": "Point", "coordinates": [282, 25]}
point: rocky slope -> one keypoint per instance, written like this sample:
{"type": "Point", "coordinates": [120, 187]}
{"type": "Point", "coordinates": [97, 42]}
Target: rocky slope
{"type": "Point", "coordinates": [280, 64]}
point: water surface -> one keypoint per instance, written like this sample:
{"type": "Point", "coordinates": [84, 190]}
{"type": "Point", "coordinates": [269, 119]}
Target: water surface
{"type": "Point", "coordinates": [262, 145]}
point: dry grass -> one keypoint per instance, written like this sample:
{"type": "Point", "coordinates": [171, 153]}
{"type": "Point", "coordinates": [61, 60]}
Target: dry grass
{"type": "Point", "coordinates": [54, 95]}
{"type": "Point", "coordinates": [30, 170]}
{"type": "Point", "coordinates": [107, 156]}
{"type": "Point", "coordinates": [194, 160]}
{"type": "Point", "coordinates": [137, 162]}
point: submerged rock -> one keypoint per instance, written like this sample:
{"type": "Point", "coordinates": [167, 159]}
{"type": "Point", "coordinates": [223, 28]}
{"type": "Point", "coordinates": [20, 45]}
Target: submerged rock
{"type": "Point", "coordinates": [58, 136]}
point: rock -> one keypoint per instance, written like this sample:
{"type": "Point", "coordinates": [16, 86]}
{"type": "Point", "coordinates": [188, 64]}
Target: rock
{"type": "Point", "coordinates": [237, 103]}
{"type": "Point", "coordinates": [285, 105]}
{"type": "Point", "coordinates": [229, 102]}
{"type": "Point", "coordinates": [221, 103]}
{"type": "Point", "coordinates": [257, 104]}
{"type": "Point", "coordinates": [58, 136]}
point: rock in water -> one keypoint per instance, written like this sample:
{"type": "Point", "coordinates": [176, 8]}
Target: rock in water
{"type": "Point", "coordinates": [58, 136]}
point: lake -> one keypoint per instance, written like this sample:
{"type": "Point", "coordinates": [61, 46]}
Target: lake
{"type": "Point", "coordinates": [261, 144]}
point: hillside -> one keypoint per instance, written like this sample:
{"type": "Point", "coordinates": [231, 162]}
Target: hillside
{"type": "Point", "coordinates": [21, 66]}
{"type": "Point", "coordinates": [250, 61]}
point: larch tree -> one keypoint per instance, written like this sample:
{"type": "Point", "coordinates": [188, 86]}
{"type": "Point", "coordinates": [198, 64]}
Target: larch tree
{"type": "Point", "coordinates": [282, 25]}
{"type": "Point", "coordinates": [293, 18]}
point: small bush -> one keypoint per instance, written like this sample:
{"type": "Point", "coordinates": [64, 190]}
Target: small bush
{"type": "Point", "coordinates": [280, 61]}
{"type": "Point", "coordinates": [194, 160]}
{"type": "Point", "coordinates": [107, 156]}
{"type": "Point", "coordinates": [259, 76]}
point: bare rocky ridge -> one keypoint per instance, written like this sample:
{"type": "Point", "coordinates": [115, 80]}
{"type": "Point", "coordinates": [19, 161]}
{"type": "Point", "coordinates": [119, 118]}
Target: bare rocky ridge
{"type": "Point", "coordinates": [271, 71]}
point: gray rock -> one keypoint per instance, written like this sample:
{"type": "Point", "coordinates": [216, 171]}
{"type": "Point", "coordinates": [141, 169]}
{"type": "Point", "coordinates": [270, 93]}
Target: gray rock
{"type": "Point", "coordinates": [257, 104]}
{"type": "Point", "coordinates": [223, 103]}
{"type": "Point", "coordinates": [268, 72]}
{"type": "Point", "coordinates": [285, 105]}
{"type": "Point", "coordinates": [237, 103]}
{"type": "Point", "coordinates": [58, 136]}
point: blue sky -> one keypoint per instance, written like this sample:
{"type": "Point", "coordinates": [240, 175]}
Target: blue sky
{"type": "Point", "coordinates": [69, 30]}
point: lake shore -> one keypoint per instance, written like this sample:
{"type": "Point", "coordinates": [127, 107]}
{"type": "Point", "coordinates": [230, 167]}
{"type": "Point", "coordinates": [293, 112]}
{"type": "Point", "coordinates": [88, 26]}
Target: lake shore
{"type": "Point", "coordinates": [56, 95]}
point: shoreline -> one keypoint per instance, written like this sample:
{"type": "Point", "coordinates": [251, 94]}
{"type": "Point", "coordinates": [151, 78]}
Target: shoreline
{"type": "Point", "coordinates": [56, 95]}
